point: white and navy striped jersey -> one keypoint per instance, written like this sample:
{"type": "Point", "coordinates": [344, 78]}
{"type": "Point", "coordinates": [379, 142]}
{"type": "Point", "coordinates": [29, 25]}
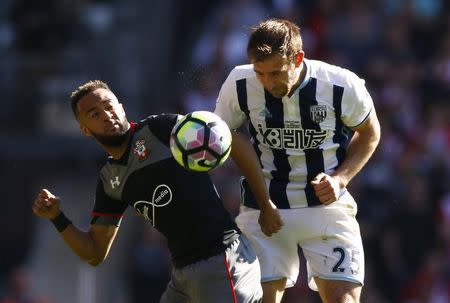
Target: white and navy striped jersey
{"type": "Point", "coordinates": [300, 136]}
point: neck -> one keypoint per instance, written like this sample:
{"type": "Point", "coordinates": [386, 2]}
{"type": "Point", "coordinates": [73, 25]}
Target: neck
{"type": "Point", "coordinates": [117, 152]}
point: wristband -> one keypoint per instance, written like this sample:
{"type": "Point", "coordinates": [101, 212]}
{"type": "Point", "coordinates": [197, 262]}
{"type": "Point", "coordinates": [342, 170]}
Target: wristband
{"type": "Point", "coordinates": [61, 222]}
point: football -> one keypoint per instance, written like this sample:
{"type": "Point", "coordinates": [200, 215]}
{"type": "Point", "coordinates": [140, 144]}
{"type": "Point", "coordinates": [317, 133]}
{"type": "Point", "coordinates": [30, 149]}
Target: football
{"type": "Point", "coordinates": [200, 141]}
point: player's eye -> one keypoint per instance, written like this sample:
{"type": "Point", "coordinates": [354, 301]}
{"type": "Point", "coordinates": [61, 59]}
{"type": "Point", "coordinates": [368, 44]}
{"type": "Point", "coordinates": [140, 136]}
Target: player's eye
{"type": "Point", "coordinates": [93, 115]}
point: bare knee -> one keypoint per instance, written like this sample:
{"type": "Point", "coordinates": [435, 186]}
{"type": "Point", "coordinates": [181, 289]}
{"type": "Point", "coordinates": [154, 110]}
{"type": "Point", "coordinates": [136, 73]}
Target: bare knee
{"type": "Point", "coordinates": [333, 291]}
{"type": "Point", "coordinates": [273, 290]}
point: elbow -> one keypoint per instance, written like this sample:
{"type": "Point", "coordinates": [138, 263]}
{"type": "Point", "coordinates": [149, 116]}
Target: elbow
{"type": "Point", "coordinates": [377, 132]}
{"type": "Point", "coordinates": [377, 136]}
{"type": "Point", "coordinates": [95, 262]}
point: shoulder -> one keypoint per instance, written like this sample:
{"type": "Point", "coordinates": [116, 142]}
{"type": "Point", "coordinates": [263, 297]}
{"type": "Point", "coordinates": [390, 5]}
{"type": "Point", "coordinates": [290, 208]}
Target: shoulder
{"type": "Point", "coordinates": [337, 75]}
{"type": "Point", "coordinates": [159, 121]}
{"type": "Point", "coordinates": [237, 74]}
{"type": "Point", "coordinates": [242, 72]}
{"type": "Point", "coordinates": [160, 125]}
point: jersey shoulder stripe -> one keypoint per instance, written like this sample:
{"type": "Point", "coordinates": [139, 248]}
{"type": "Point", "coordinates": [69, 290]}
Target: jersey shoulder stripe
{"type": "Point", "coordinates": [241, 89]}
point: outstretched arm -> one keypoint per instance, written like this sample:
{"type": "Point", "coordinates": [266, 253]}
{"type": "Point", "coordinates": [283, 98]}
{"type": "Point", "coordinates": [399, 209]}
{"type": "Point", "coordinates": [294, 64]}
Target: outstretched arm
{"type": "Point", "coordinates": [360, 149]}
{"type": "Point", "coordinates": [92, 246]}
{"type": "Point", "coordinates": [246, 159]}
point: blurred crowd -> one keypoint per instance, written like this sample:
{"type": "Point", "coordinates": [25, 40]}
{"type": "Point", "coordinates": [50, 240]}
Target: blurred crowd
{"type": "Point", "coordinates": [173, 56]}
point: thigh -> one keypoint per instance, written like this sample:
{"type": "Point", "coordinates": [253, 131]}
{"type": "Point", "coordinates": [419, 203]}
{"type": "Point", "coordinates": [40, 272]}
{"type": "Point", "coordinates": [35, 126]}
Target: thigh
{"type": "Point", "coordinates": [336, 252]}
{"type": "Point", "coordinates": [337, 291]}
{"type": "Point", "coordinates": [174, 292]}
{"type": "Point", "coordinates": [278, 254]}
{"type": "Point", "coordinates": [244, 271]}
{"type": "Point", "coordinates": [233, 276]}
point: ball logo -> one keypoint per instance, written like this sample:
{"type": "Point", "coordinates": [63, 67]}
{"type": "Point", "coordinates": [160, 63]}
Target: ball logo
{"type": "Point", "coordinates": [203, 163]}
{"type": "Point", "coordinates": [162, 196]}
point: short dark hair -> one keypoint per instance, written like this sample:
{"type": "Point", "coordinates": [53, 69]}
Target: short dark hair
{"type": "Point", "coordinates": [84, 90]}
{"type": "Point", "coordinates": [274, 36]}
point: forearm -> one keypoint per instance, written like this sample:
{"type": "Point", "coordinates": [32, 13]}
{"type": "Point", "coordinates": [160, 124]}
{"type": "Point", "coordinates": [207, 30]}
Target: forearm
{"type": "Point", "coordinates": [246, 159]}
{"type": "Point", "coordinates": [82, 244]}
{"type": "Point", "coordinates": [91, 246]}
{"type": "Point", "coordinates": [359, 151]}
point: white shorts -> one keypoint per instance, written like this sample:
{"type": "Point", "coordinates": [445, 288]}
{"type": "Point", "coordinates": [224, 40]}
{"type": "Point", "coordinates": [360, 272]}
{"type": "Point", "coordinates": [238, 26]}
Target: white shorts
{"type": "Point", "coordinates": [328, 234]}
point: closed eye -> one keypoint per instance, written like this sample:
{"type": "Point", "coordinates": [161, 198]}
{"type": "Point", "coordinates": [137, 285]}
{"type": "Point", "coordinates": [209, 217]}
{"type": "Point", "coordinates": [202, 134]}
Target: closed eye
{"type": "Point", "coordinates": [93, 114]}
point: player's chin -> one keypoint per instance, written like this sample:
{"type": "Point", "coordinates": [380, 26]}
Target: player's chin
{"type": "Point", "coordinates": [278, 94]}
{"type": "Point", "coordinates": [115, 131]}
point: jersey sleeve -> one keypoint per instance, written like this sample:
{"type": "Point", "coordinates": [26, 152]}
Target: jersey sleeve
{"type": "Point", "coordinates": [161, 126]}
{"type": "Point", "coordinates": [227, 105]}
{"type": "Point", "coordinates": [107, 211]}
{"type": "Point", "coordinates": [356, 103]}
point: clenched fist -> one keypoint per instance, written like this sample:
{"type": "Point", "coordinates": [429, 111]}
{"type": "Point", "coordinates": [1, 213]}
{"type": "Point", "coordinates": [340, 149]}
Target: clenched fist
{"type": "Point", "coordinates": [46, 205]}
{"type": "Point", "coordinates": [270, 220]}
{"type": "Point", "coordinates": [326, 188]}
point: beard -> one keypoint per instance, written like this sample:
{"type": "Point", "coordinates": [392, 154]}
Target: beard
{"type": "Point", "coordinates": [279, 93]}
{"type": "Point", "coordinates": [111, 140]}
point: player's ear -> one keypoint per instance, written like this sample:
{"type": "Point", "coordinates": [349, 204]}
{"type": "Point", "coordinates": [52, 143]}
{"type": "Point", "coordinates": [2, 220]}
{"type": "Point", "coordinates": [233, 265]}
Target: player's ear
{"type": "Point", "coordinates": [85, 130]}
{"type": "Point", "coordinates": [299, 58]}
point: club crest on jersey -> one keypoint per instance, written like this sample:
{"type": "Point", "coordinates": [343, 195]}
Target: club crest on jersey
{"type": "Point", "coordinates": [140, 150]}
{"type": "Point", "coordinates": [318, 113]}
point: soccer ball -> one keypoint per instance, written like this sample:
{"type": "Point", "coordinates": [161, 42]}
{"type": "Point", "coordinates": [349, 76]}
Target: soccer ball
{"type": "Point", "coordinates": [200, 141]}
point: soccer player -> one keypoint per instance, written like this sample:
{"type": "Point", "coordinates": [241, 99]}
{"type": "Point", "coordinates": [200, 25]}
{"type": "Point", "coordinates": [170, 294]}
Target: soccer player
{"type": "Point", "coordinates": [213, 261]}
{"type": "Point", "coordinates": [300, 115]}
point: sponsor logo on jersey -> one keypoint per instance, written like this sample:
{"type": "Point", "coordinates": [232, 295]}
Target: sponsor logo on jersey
{"type": "Point", "coordinates": [292, 138]}
{"type": "Point", "coordinates": [318, 113]}
{"type": "Point", "coordinates": [140, 150]}
{"type": "Point", "coordinates": [114, 182]}
{"type": "Point", "coordinates": [292, 124]}
{"type": "Point", "coordinates": [162, 196]}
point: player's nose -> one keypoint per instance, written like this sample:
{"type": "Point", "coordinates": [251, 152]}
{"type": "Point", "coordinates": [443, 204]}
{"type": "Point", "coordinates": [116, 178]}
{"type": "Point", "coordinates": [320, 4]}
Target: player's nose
{"type": "Point", "coordinates": [107, 115]}
{"type": "Point", "coordinates": [268, 83]}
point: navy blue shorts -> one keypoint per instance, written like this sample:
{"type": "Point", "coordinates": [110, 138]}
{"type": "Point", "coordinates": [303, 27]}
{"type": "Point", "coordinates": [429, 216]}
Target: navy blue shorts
{"type": "Point", "coordinates": [232, 276]}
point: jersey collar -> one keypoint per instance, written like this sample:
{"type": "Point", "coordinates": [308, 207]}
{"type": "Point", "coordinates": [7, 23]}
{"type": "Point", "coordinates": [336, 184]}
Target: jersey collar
{"type": "Point", "coordinates": [307, 74]}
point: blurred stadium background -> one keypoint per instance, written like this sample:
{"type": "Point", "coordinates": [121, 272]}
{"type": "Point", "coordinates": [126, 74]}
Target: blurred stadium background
{"type": "Point", "coordinates": [172, 56]}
